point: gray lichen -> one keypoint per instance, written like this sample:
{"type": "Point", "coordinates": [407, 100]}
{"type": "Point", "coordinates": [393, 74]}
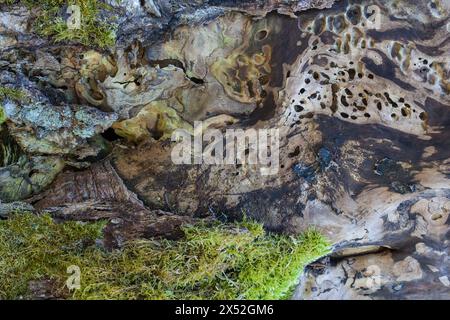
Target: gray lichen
{"type": "Point", "coordinates": [42, 128]}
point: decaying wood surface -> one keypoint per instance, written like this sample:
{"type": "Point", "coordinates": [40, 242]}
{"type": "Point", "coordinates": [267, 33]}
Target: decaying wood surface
{"type": "Point", "coordinates": [359, 90]}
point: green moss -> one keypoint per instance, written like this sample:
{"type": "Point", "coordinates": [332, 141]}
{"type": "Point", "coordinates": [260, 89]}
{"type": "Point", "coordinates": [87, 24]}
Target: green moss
{"type": "Point", "coordinates": [33, 247]}
{"type": "Point", "coordinates": [9, 93]}
{"type": "Point", "coordinates": [94, 31]}
{"type": "Point", "coordinates": [237, 261]}
{"type": "Point", "coordinates": [2, 115]}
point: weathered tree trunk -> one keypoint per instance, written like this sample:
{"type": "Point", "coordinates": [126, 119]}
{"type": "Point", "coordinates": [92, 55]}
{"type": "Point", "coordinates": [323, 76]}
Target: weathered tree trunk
{"type": "Point", "coordinates": [359, 91]}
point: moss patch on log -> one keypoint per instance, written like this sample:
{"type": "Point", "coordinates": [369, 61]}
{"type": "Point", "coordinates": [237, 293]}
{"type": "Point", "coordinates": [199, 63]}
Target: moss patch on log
{"type": "Point", "coordinates": [96, 30]}
{"type": "Point", "coordinates": [232, 261]}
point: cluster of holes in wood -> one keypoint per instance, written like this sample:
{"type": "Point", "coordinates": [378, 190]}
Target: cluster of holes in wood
{"type": "Point", "coordinates": [356, 103]}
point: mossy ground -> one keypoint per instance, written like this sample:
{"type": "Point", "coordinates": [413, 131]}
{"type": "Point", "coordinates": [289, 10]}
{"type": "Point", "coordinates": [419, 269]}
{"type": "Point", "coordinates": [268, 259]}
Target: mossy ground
{"type": "Point", "coordinates": [95, 30]}
{"type": "Point", "coordinates": [233, 261]}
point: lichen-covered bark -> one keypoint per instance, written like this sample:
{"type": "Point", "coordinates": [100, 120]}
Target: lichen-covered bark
{"type": "Point", "coordinates": [359, 91]}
